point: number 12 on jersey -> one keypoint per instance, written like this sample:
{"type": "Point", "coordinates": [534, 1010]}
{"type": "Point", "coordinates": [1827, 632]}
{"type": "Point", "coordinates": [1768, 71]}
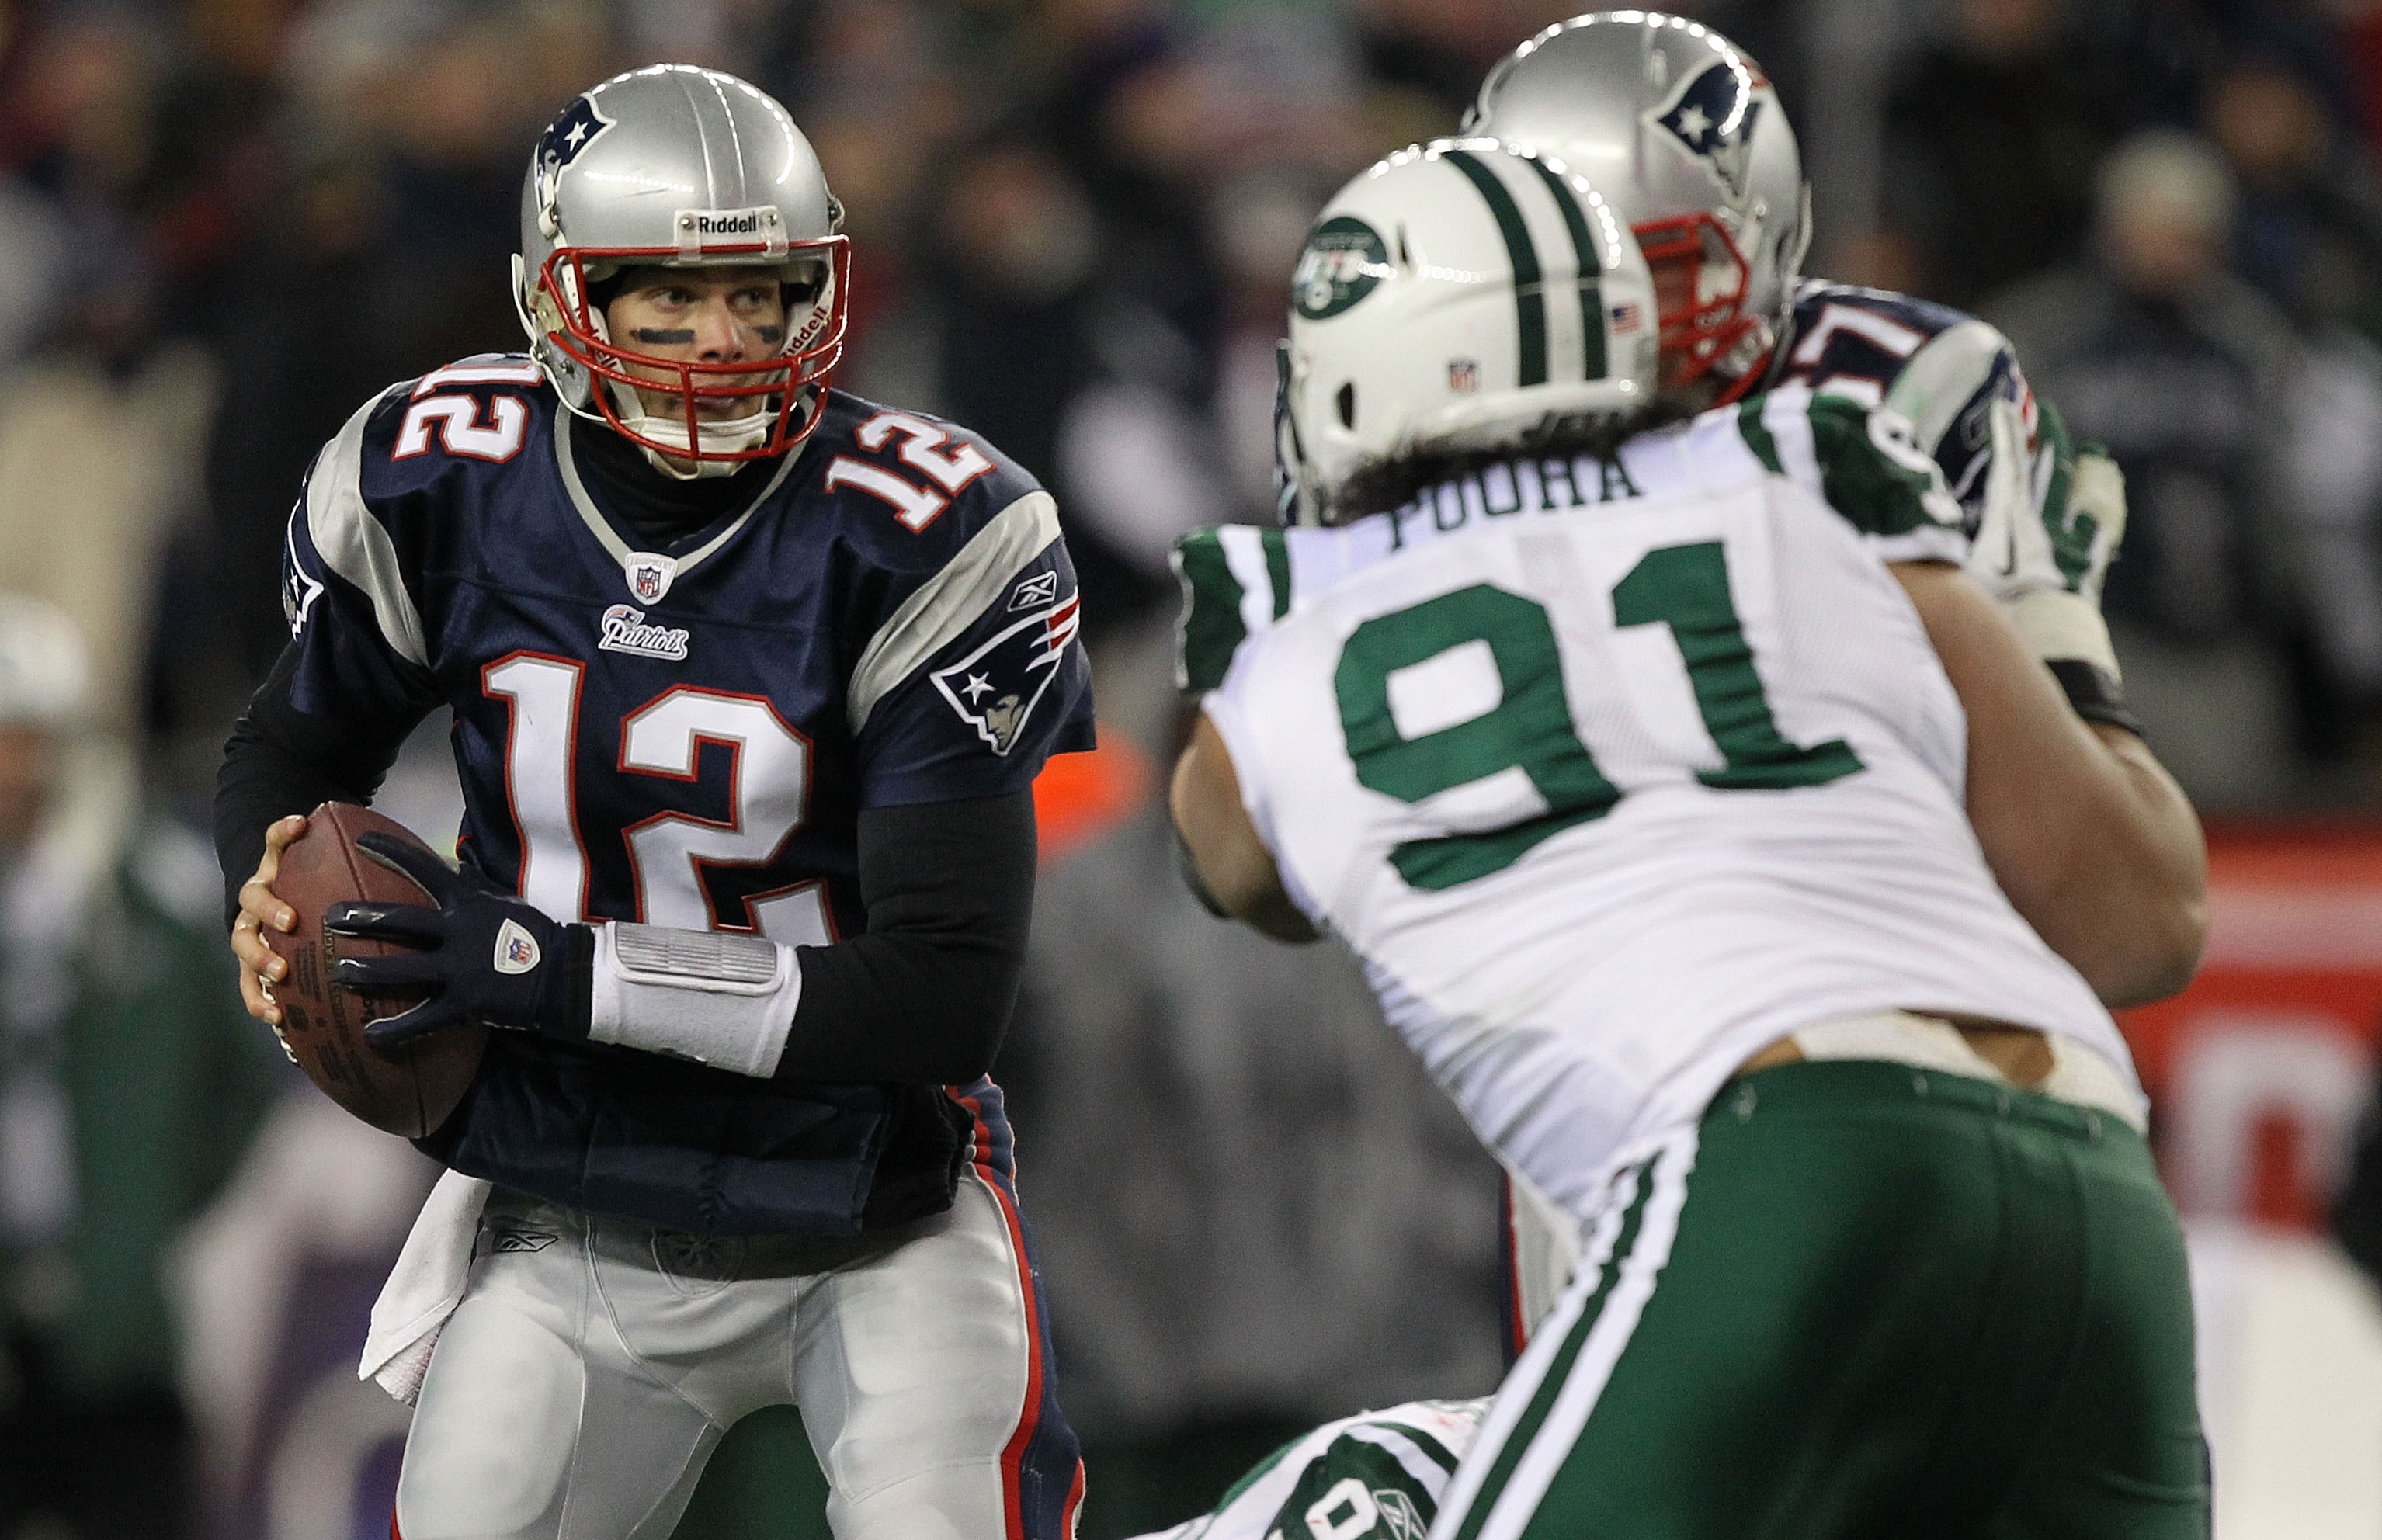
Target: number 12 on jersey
{"type": "Point", "coordinates": [770, 794]}
{"type": "Point", "coordinates": [1531, 729]}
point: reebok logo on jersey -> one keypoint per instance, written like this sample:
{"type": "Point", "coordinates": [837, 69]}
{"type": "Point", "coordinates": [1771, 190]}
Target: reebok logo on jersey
{"type": "Point", "coordinates": [509, 1241]}
{"type": "Point", "coordinates": [1042, 588]}
{"type": "Point", "coordinates": [516, 948]}
{"type": "Point", "coordinates": [996, 688]}
{"type": "Point", "coordinates": [625, 629]}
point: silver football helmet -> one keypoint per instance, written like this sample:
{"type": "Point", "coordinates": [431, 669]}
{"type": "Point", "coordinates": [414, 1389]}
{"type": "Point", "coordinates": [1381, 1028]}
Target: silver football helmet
{"type": "Point", "coordinates": [1684, 134]}
{"type": "Point", "coordinates": [674, 165]}
{"type": "Point", "coordinates": [1459, 294]}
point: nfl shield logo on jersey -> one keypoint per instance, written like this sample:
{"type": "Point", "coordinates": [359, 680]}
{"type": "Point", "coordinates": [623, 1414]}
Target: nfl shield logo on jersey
{"type": "Point", "coordinates": [650, 574]}
{"type": "Point", "coordinates": [996, 688]}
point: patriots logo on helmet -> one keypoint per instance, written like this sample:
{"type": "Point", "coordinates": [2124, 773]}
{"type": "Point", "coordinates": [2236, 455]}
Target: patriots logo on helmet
{"type": "Point", "coordinates": [580, 125]}
{"type": "Point", "coordinates": [1710, 117]}
{"type": "Point", "coordinates": [996, 688]}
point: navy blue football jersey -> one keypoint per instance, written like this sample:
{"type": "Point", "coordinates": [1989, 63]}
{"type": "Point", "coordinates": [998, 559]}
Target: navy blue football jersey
{"type": "Point", "coordinates": [1939, 367]}
{"type": "Point", "coordinates": [686, 736]}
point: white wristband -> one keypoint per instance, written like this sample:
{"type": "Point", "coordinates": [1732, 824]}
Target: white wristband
{"type": "Point", "coordinates": [723, 1000]}
{"type": "Point", "coordinates": [2055, 624]}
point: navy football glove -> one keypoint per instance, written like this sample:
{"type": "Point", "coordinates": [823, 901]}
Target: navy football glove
{"type": "Point", "coordinates": [490, 957]}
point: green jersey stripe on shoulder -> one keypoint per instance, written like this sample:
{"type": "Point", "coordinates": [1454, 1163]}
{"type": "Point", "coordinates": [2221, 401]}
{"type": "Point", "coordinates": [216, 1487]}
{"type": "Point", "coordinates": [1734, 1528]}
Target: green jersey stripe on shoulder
{"type": "Point", "coordinates": [1879, 482]}
{"type": "Point", "coordinates": [1258, 1472]}
{"type": "Point", "coordinates": [1758, 436]}
{"type": "Point", "coordinates": [1530, 304]}
{"type": "Point", "coordinates": [1423, 1443]}
{"type": "Point", "coordinates": [1212, 629]}
{"type": "Point", "coordinates": [1277, 560]}
{"type": "Point", "coordinates": [2071, 534]}
{"type": "Point", "coordinates": [1589, 264]}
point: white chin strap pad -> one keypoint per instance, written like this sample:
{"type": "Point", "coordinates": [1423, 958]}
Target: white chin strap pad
{"type": "Point", "coordinates": [723, 1000]}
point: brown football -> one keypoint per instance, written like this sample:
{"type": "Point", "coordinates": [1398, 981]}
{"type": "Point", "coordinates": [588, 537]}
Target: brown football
{"type": "Point", "coordinates": [409, 1091]}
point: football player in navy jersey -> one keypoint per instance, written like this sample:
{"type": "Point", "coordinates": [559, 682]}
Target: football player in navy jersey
{"type": "Point", "coordinates": [750, 682]}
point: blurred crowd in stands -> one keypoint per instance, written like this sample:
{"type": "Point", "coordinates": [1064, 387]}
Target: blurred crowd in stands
{"type": "Point", "coordinates": [224, 224]}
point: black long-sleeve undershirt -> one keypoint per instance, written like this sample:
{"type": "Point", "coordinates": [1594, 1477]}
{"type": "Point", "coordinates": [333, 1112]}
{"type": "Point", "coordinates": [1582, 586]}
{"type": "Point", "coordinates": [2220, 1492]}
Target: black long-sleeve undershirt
{"type": "Point", "coordinates": [924, 995]}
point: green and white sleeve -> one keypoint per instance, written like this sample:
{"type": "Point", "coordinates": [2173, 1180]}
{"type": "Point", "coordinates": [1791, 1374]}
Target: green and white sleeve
{"type": "Point", "coordinates": [1863, 462]}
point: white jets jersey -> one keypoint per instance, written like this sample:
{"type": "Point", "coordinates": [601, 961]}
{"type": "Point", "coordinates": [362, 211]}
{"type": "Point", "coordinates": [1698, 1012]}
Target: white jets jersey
{"type": "Point", "coordinates": [1612, 774]}
{"type": "Point", "coordinates": [1377, 1475]}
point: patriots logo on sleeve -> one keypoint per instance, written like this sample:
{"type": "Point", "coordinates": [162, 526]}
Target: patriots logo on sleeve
{"type": "Point", "coordinates": [1710, 117]}
{"type": "Point", "coordinates": [299, 588]}
{"type": "Point", "coordinates": [996, 688]}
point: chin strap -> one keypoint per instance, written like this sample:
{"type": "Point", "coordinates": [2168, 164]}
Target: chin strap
{"type": "Point", "coordinates": [731, 436]}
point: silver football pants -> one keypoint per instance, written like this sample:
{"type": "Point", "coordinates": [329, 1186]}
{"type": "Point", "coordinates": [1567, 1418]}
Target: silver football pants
{"type": "Point", "coordinates": [593, 1364]}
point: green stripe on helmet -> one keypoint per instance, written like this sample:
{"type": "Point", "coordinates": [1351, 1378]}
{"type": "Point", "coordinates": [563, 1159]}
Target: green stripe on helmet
{"type": "Point", "coordinates": [1530, 304]}
{"type": "Point", "coordinates": [1590, 267]}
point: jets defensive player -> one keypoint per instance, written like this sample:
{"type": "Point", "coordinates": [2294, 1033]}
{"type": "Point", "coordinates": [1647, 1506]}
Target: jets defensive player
{"type": "Point", "coordinates": [1700, 826]}
{"type": "Point", "coordinates": [750, 681]}
{"type": "Point", "coordinates": [1690, 147]}
{"type": "Point", "coordinates": [1377, 1475]}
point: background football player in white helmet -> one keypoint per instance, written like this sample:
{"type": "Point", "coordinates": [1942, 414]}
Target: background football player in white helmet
{"type": "Point", "coordinates": [1708, 835]}
{"type": "Point", "coordinates": [1377, 1475]}
{"type": "Point", "coordinates": [747, 739]}
{"type": "Point", "coordinates": [1688, 143]}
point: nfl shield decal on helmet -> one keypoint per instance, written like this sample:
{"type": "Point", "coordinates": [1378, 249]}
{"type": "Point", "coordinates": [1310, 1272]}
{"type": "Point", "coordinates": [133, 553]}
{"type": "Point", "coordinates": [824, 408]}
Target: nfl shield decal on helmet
{"type": "Point", "coordinates": [1710, 118]}
{"type": "Point", "coordinates": [650, 574]}
{"type": "Point", "coordinates": [996, 688]}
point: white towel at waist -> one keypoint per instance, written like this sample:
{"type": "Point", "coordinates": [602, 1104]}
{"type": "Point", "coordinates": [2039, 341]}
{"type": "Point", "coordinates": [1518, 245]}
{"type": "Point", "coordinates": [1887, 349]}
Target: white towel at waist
{"type": "Point", "coordinates": [425, 1287]}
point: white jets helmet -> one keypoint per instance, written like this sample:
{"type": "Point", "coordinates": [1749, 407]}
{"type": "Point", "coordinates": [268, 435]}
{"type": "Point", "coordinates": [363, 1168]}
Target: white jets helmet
{"type": "Point", "coordinates": [1457, 296]}
{"type": "Point", "coordinates": [678, 166]}
{"type": "Point", "coordinates": [1684, 134]}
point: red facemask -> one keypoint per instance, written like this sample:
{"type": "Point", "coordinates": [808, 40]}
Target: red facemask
{"type": "Point", "coordinates": [1701, 281]}
{"type": "Point", "coordinates": [788, 385]}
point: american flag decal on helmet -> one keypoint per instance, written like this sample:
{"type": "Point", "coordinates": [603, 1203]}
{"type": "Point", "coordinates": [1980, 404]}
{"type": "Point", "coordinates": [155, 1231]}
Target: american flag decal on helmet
{"type": "Point", "coordinates": [996, 688]}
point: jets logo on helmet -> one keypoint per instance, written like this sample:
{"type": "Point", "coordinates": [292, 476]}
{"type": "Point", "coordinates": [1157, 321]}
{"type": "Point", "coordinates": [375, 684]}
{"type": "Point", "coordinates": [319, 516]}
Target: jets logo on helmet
{"type": "Point", "coordinates": [1345, 259]}
{"type": "Point", "coordinates": [1493, 314]}
{"type": "Point", "coordinates": [1711, 118]}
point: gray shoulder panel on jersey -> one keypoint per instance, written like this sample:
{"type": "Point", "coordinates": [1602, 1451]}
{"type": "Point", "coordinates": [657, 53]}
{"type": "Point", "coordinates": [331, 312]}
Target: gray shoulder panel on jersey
{"type": "Point", "coordinates": [351, 540]}
{"type": "Point", "coordinates": [1943, 376]}
{"type": "Point", "coordinates": [949, 603]}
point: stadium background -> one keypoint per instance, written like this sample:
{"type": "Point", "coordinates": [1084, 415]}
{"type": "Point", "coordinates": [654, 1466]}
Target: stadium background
{"type": "Point", "coordinates": [223, 223]}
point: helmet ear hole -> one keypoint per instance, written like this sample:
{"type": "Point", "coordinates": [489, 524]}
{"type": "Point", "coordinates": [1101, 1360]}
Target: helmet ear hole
{"type": "Point", "coordinates": [1346, 400]}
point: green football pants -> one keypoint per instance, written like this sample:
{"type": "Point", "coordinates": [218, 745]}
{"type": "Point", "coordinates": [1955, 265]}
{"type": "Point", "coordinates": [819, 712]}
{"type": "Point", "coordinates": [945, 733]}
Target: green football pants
{"type": "Point", "coordinates": [1860, 1299]}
